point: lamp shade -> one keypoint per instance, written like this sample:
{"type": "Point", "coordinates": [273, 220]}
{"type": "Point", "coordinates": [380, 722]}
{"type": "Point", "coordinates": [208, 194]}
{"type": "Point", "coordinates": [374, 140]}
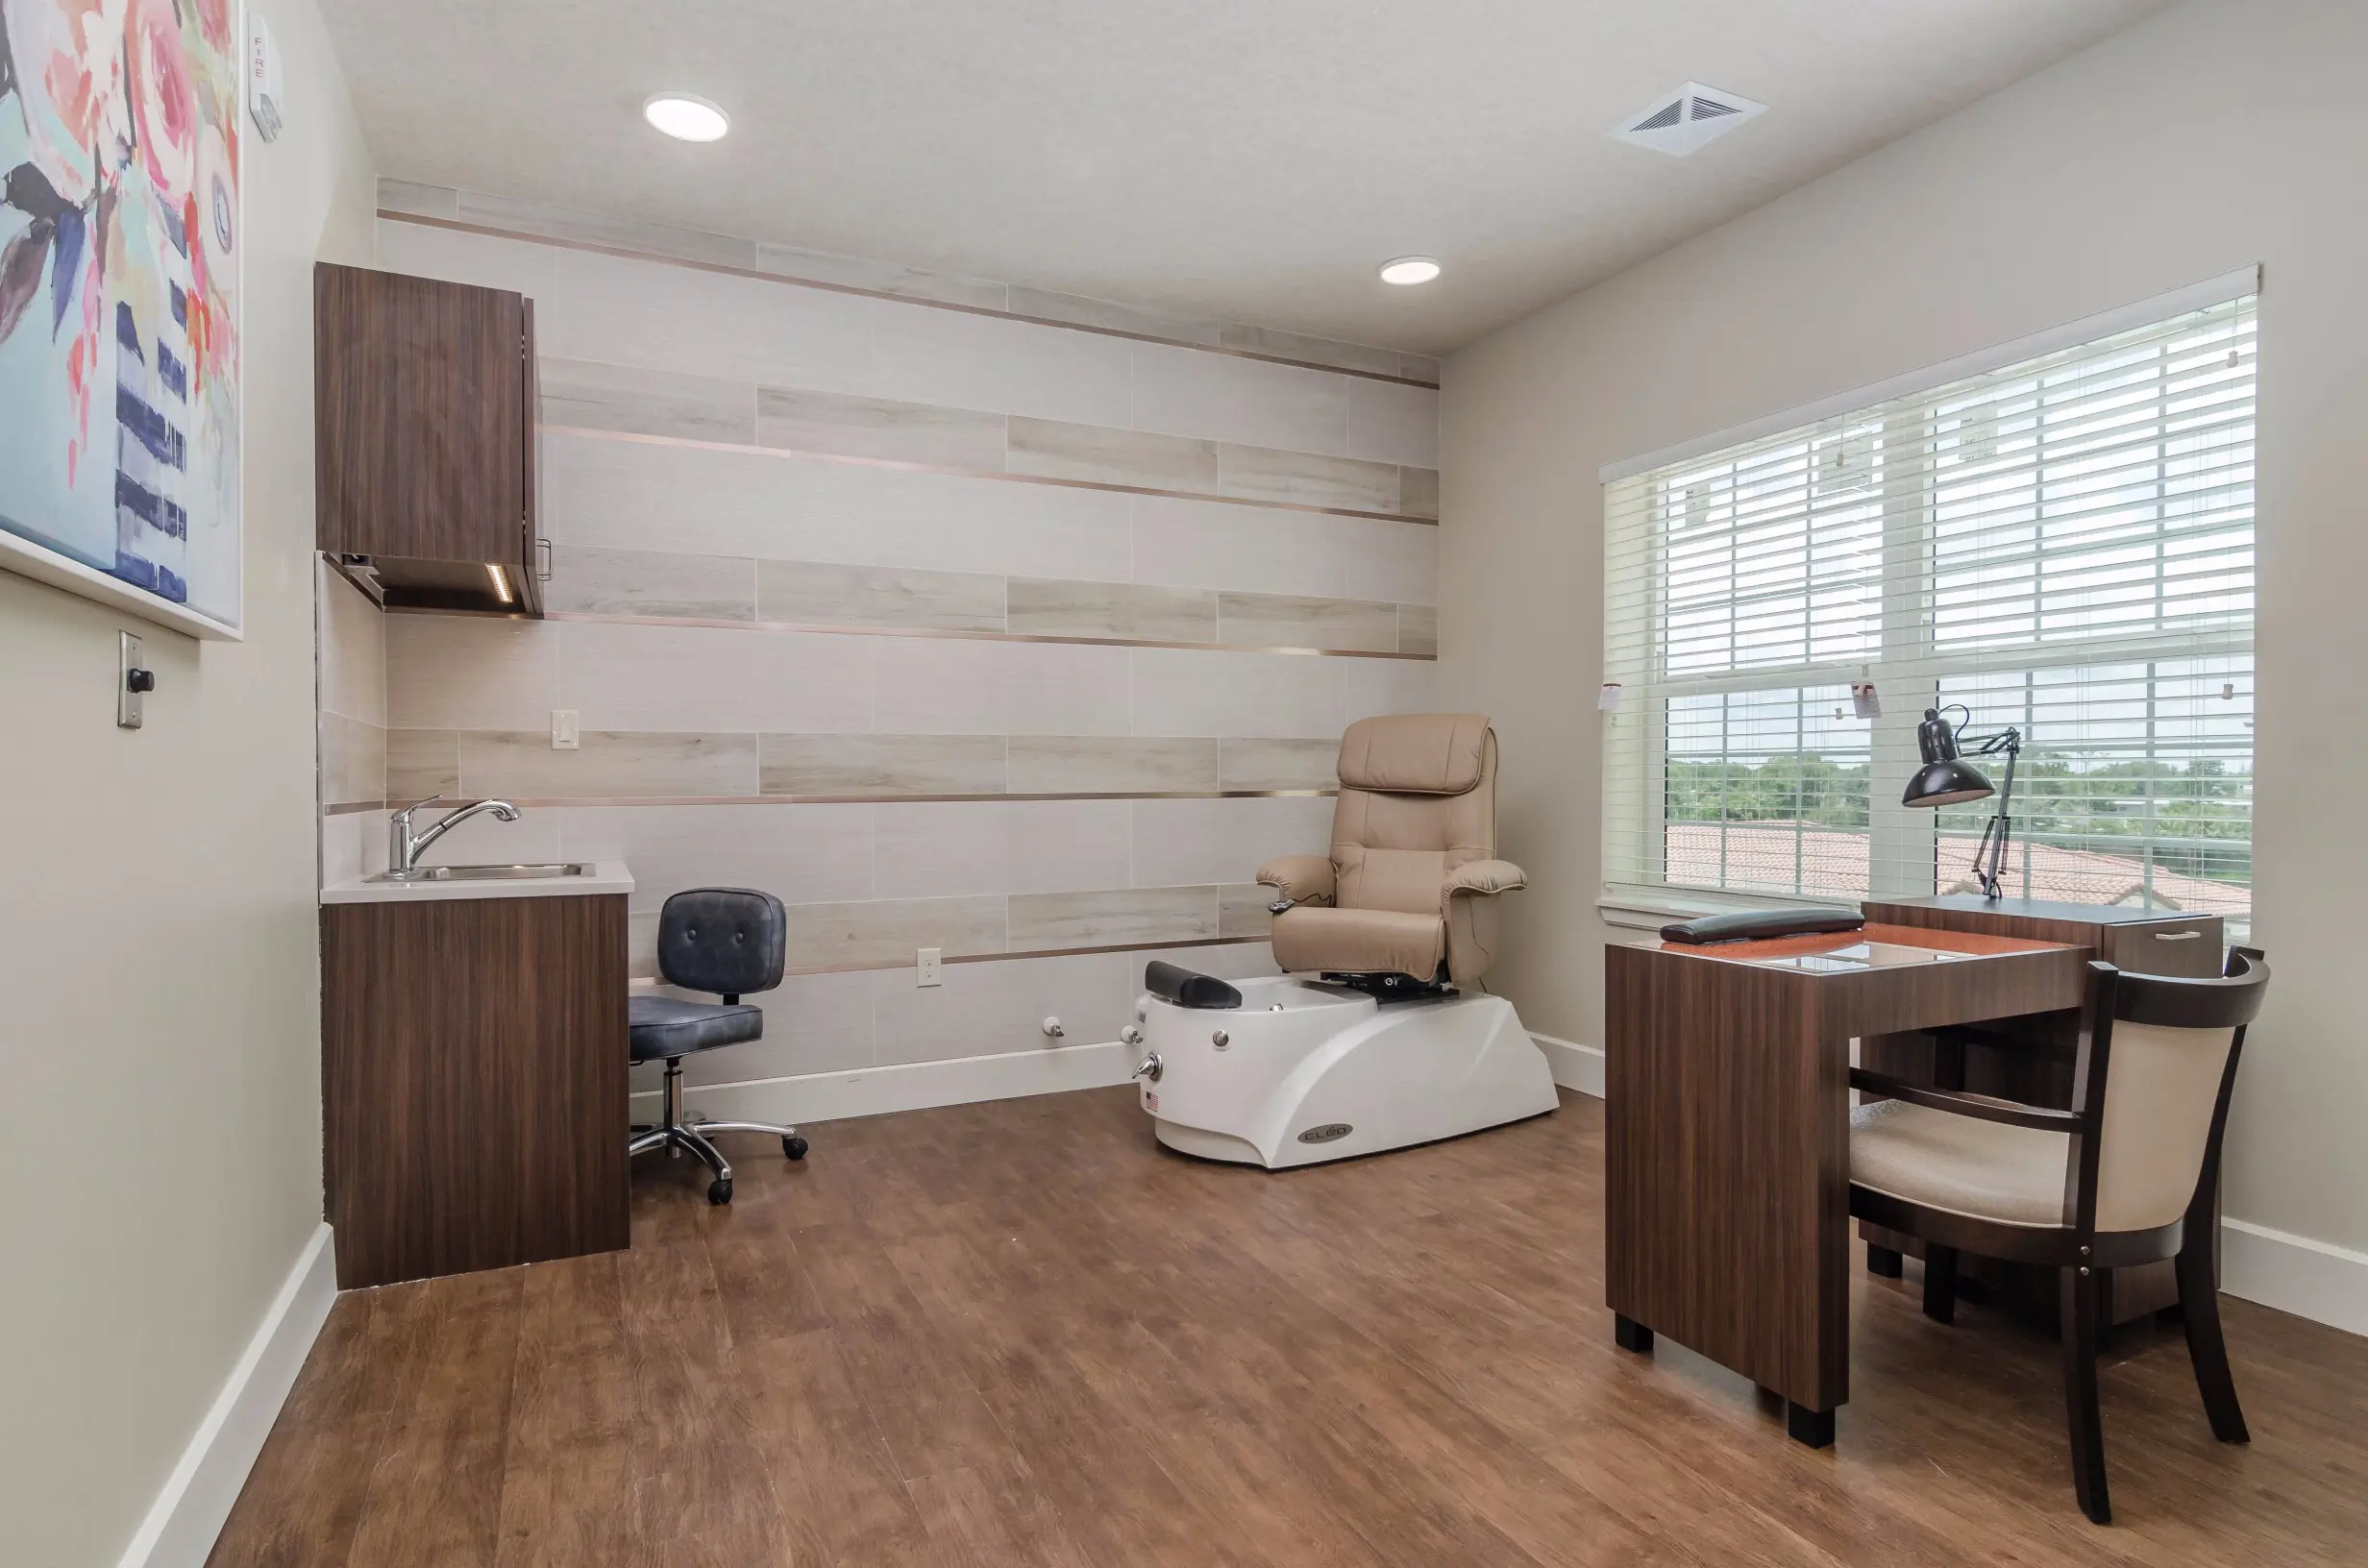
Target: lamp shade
{"type": "Point", "coordinates": [1947, 783]}
{"type": "Point", "coordinates": [1945, 779]}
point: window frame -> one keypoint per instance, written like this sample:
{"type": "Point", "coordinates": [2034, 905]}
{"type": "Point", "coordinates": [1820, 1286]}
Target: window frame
{"type": "Point", "coordinates": [1910, 656]}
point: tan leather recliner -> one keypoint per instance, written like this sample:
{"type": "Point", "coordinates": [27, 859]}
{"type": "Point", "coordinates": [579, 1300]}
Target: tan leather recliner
{"type": "Point", "coordinates": [1410, 886]}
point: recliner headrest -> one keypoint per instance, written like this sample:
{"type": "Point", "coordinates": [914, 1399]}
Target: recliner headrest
{"type": "Point", "coordinates": [1415, 753]}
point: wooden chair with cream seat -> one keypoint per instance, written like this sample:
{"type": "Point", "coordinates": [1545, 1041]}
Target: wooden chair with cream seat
{"type": "Point", "coordinates": [2130, 1175]}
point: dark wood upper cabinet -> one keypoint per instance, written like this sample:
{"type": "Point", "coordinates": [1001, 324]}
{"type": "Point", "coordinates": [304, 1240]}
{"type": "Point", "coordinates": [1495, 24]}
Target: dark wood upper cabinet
{"type": "Point", "coordinates": [427, 396]}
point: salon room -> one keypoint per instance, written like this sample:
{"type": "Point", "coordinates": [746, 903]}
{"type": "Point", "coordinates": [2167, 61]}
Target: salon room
{"type": "Point", "coordinates": [1211, 784]}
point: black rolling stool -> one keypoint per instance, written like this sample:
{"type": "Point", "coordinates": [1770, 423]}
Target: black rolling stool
{"type": "Point", "coordinates": [728, 942]}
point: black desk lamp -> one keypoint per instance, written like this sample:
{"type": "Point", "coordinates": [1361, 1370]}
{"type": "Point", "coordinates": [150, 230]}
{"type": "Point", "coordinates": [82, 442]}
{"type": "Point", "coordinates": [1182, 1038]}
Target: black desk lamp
{"type": "Point", "coordinates": [1947, 779]}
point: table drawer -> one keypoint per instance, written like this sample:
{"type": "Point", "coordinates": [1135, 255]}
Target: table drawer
{"type": "Point", "coordinates": [2188, 947]}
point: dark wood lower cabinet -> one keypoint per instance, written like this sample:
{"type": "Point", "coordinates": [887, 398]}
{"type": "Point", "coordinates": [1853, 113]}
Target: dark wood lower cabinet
{"type": "Point", "coordinates": [473, 1083]}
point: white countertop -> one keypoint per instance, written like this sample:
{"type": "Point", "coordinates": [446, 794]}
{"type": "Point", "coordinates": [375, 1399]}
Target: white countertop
{"type": "Point", "coordinates": [606, 877]}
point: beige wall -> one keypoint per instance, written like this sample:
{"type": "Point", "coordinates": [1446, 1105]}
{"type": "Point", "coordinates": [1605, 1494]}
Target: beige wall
{"type": "Point", "coordinates": [2214, 136]}
{"type": "Point", "coordinates": [730, 461]}
{"type": "Point", "coordinates": [160, 953]}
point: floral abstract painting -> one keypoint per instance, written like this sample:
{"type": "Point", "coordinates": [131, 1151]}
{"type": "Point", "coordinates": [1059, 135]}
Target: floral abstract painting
{"type": "Point", "coordinates": [119, 290]}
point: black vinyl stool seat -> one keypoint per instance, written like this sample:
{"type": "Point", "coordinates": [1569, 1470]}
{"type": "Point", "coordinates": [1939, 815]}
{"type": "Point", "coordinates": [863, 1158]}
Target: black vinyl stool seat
{"type": "Point", "coordinates": [667, 1028]}
{"type": "Point", "coordinates": [727, 941]}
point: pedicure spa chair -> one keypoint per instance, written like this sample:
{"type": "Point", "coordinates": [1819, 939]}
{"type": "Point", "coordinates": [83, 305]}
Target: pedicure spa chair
{"type": "Point", "coordinates": [1378, 1036]}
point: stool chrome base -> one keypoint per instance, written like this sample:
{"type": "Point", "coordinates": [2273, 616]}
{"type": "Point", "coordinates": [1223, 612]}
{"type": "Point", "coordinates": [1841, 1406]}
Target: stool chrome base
{"type": "Point", "coordinates": [680, 1138]}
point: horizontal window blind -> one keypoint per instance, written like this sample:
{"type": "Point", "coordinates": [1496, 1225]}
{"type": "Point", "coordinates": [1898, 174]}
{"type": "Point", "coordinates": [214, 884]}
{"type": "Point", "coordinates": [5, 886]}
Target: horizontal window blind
{"type": "Point", "coordinates": [2064, 546]}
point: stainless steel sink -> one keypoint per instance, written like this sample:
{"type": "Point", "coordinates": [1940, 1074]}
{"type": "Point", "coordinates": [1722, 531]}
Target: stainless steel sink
{"type": "Point", "coordinates": [487, 873]}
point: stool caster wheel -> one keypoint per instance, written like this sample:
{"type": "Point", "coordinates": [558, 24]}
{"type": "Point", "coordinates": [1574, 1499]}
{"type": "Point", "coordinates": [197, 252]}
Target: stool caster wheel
{"type": "Point", "coordinates": [718, 1190]}
{"type": "Point", "coordinates": [793, 1147]}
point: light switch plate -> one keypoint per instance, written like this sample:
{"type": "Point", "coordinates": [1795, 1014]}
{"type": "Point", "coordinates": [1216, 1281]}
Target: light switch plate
{"type": "Point", "coordinates": [129, 713]}
{"type": "Point", "coordinates": [929, 966]}
{"type": "Point", "coordinates": [564, 735]}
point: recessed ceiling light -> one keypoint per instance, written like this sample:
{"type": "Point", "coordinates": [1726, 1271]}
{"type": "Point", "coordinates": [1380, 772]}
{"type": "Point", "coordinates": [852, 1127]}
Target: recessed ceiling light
{"type": "Point", "coordinates": [1409, 269]}
{"type": "Point", "coordinates": [686, 117]}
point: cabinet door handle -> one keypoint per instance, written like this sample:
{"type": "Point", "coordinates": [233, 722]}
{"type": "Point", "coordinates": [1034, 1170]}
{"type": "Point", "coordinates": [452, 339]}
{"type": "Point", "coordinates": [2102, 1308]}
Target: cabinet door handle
{"type": "Point", "coordinates": [542, 560]}
{"type": "Point", "coordinates": [2178, 936]}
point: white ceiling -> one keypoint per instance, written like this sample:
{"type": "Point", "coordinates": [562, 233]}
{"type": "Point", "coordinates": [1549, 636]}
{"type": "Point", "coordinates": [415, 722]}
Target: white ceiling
{"type": "Point", "coordinates": [1249, 159]}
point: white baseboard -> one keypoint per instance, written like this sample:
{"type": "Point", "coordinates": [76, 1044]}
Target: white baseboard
{"type": "Point", "coordinates": [2295, 1274]}
{"type": "Point", "coordinates": [1578, 1069]}
{"type": "Point", "coordinates": [189, 1512]}
{"type": "Point", "coordinates": [871, 1092]}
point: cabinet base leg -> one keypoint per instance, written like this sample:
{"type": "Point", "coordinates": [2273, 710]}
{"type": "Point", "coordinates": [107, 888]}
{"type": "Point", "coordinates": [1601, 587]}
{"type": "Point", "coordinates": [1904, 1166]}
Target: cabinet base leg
{"type": "Point", "coordinates": [1630, 1334]}
{"type": "Point", "coordinates": [1814, 1427]}
{"type": "Point", "coordinates": [1884, 1262]}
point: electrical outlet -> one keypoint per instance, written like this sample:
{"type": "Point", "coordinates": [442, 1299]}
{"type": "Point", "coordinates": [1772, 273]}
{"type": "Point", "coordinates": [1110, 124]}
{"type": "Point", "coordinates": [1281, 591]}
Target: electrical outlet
{"type": "Point", "coordinates": [564, 735]}
{"type": "Point", "coordinates": [930, 966]}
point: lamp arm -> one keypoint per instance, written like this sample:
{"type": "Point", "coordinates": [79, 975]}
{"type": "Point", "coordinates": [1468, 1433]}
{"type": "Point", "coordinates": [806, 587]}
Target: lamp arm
{"type": "Point", "coordinates": [2001, 828]}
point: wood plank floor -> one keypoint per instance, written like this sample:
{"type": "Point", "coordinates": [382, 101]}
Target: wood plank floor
{"type": "Point", "coordinates": [1022, 1332]}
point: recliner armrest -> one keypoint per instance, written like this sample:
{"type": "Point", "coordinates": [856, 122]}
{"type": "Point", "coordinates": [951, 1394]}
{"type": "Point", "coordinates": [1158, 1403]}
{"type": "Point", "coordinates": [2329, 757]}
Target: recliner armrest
{"type": "Point", "coordinates": [1303, 879]}
{"type": "Point", "coordinates": [1484, 876]}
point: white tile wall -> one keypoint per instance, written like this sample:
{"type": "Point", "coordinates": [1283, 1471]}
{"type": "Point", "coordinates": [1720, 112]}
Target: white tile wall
{"type": "Point", "coordinates": [458, 672]}
{"type": "Point", "coordinates": [1377, 686]}
{"type": "Point", "coordinates": [1217, 396]}
{"type": "Point", "coordinates": [1178, 692]}
{"type": "Point", "coordinates": [1393, 562]}
{"type": "Point", "coordinates": [1189, 842]}
{"type": "Point", "coordinates": [986, 1009]}
{"type": "Point", "coordinates": [353, 652]}
{"type": "Point", "coordinates": [813, 1023]}
{"type": "Point", "coordinates": [931, 687]}
{"type": "Point", "coordinates": [453, 673]}
{"type": "Point", "coordinates": [1393, 423]}
{"type": "Point", "coordinates": [619, 310]}
{"type": "Point", "coordinates": [926, 686]}
{"type": "Point", "coordinates": [481, 259]}
{"type": "Point", "coordinates": [1208, 543]}
{"type": "Point", "coordinates": [1059, 689]}
{"type": "Point", "coordinates": [706, 322]}
{"type": "Point", "coordinates": [815, 854]}
{"type": "Point", "coordinates": [934, 849]}
{"type": "Point", "coordinates": [630, 494]}
{"type": "Point", "coordinates": [353, 845]}
{"type": "Point", "coordinates": [708, 678]}
{"type": "Point", "coordinates": [1006, 367]}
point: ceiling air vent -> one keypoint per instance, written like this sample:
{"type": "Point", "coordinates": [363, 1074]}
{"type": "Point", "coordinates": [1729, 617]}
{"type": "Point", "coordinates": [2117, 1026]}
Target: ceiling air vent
{"type": "Point", "coordinates": [1683, 120]}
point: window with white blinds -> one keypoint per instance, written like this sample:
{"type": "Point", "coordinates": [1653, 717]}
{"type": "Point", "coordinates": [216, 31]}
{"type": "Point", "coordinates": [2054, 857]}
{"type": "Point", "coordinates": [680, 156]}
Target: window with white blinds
{"type": "Point", "coordinates": [2064, 545]}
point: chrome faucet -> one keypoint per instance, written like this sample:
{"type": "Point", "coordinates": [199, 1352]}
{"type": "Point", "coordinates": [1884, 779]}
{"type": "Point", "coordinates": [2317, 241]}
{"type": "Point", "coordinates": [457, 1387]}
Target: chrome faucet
{"type": "Point", "coordinates": [404, 848]}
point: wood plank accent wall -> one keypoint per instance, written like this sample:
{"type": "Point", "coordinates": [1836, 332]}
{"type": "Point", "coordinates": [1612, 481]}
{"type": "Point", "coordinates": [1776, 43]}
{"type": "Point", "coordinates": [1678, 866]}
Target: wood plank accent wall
{"type": "Point", "coordinates": [955, 614]}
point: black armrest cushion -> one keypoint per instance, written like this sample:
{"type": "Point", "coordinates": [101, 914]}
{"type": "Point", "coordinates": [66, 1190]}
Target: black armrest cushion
{"type": "Point", "coordinates": [1185, 989]}
{"type": "Point", "coordinates": [1755, 924]}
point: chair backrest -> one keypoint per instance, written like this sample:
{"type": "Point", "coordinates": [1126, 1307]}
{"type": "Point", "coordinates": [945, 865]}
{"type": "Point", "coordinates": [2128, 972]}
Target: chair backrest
{"type": "Point", "coordinates": [2160, 1059]}
{"type": "Point", "coordinates": [1417, 799]}
{"type": "Point", "coordinates": [727, 941]}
